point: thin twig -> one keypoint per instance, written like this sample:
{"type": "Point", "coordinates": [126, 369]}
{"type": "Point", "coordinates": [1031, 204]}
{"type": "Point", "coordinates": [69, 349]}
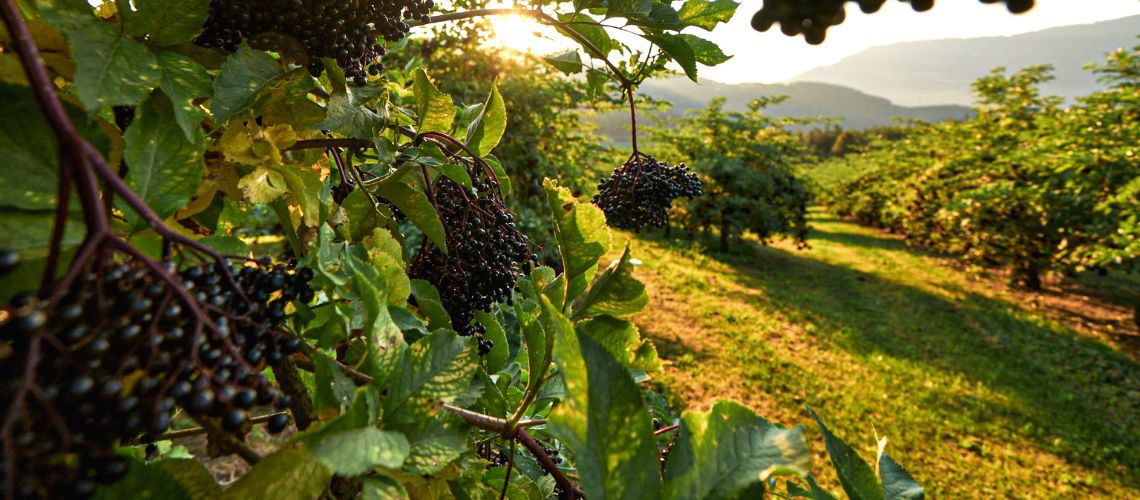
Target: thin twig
{"type": "Point", "coordinates": [357, 378]}
{"type": "Point", "coordinates": [229, 442]}
{"type": "Point", "coordinates": [510, 466]}
{"type": "Point", "coordinates": [569, 489]}
{"type": "Point", "coordinates": [665, 430]}
{"type": "Point", "coordinates": [329, 143]}
{"type": "Point", "coordinates": [194, 431]}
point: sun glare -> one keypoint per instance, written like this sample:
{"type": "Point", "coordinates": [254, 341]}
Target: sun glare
{"type": "Point", "coordinates": [525, 35]}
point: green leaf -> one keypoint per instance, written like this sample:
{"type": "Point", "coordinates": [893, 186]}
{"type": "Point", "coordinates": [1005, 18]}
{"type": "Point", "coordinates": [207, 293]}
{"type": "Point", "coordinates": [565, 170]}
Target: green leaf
{"type": "Point", "coordinates": [436, 110]}
{"type": "Point", "coordinates": [240, 82]}
{"type": "Point", "coordinates": [704, 51]}
{"type": "Point", "coordinates": [437, 368]}
{"type": "Point", "coordinates": [434, 444]}
{"type": "Point", "coordinates": [355, 451]}
{"type": "Point", "coordinates": [706, 14]}
{"type": "Point", "coordinates": [289, 473]}
{"type": "Point", "coordinates": [65, 14]}
{"type": "Point", "coordinates": [362, 215]}
{"type": "Point", "coordinates": [332, 389]}
{"type": "Point", "coordinates": [163, 168]}
{"type": "Point", "coordinates": [110, 68]}
{"type": "Point", "coordinates": [430, 305]}
{"type": "Point", "coordinates": [167, 23]}
{"type": "Point", "coordinates": [897, 482]}
{"type": "Point", "coordinates": [29, 233]}
{"type": "Point", "coordinates": [387, 257]}
{"type": "Point", "coordinates": [404, 188]}
{"type": "Point", "coordinates": [580, 24]}
{"type": "Point", "coordinates": [381, 487]}
{"type": "Point", "coordinates": [729, 452]}
{"type": "Point", "coordinates": [303, 192]}
{"type": "Point", "coordinates": [346, 111]}
{"type": "Point", "coordinates": [385, 340]}
{"type": "Point", "coordinates": [457, 173]}
{"type": "Point", "coordinates": [227, 245]}
{"type": "Point", "coordinates": [485, 132]}
{"type": "Point", "coordinates": [538, 343]}
{"type": "Point", "coordinates": [857, 478]}
{"type": "Point", "coordinates": [632, 9]}
{"type": "Point", "coordinates": [603, 421]}
{"type": "Point", "coordinates": [582, 236]}
{"type": "Point", "coordinates": [677, 49]}
{"type": "Point", "coordinates": [31, 152]}
{"type": "Point", "coordinates": [621, 339]}
{"type": "Point", "coordinates": [497, 358]}
{"type": "Point", "coordinates": [614, 292]}
{"type": "Point", "coordinates": [662, 16]}
{"type": "Point", "coordinates": [173, 479]}
{"type": "Point", "coordinates": [500, 173]}
{"type": "Point", "coordinates": [596, 82]}
{"type": "Point", "coordinates": [568, 62]}
{"type": "Point", "coordinates": [184, 80]}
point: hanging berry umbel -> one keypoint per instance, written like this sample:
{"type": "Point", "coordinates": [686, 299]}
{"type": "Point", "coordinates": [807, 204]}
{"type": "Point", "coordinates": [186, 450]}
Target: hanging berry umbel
{"type": "Point", "coordinates": [112, 358]}
{"type": "Point", "coordinates": [812, 18]}
{"type": "Point", "coordinates": [641, 192]}
{"type": "Point", "coordinates": [106, 353]}
{"type": "Point", "coordinates": [347, 31]}
{"type": "Point", "coordinates": [485, 250]}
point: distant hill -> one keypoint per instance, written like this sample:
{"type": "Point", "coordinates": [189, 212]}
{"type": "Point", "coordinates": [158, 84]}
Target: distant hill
{"type": "Point", "coordinates": [940, 71]}
{"type": "Point", "coordinates": [806, 99]}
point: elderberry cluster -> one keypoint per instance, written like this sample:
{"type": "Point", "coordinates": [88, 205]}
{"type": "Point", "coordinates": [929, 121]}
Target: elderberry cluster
{"type": "Point", "coordinates": [641, 192]}
{"type": "Point", "coordinates": [812, 18]}
{"type": "Point", "coordinates": [111, 360]}
{"type": "Point", "coordinates": [347, 31]}
{"type": "Point", "coordinates": [486, 253]}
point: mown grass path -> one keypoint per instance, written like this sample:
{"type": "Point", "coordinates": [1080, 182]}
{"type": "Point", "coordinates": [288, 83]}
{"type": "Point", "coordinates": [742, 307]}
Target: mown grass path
{"type": "Point", "coordinates": [980, 394]}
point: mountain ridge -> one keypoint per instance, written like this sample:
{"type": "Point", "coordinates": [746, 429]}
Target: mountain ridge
{"type": "Point", "coordinates": [855, 109]}
{"type": "Point", "coordinates": [929, 72]}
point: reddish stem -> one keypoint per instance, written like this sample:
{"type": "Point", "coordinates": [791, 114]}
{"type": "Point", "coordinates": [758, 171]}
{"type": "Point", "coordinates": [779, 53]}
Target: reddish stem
{"type": "Point", "coordinates": [665, 430]}
{"type": "Point", "coordinates": [569, 489]}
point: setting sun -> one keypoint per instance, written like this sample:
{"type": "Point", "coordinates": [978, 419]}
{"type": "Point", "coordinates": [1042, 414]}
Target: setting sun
{"type": "Point", "coordinates": [524, 34]}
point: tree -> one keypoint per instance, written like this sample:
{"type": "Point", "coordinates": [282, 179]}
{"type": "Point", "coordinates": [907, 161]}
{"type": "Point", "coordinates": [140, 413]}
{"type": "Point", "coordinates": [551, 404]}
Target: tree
{"type": "Point", "coordinates": [747, 162]}
{"type": "Point", "coordinates": [1027, 184]}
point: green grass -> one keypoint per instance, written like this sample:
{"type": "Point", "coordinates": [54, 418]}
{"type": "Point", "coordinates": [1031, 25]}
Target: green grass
{"type": "Point", "coordinates": [979, 395]}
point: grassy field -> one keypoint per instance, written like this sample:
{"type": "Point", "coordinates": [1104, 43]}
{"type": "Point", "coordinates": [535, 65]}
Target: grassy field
{"type": "Point", "coordinates": [982, 391]}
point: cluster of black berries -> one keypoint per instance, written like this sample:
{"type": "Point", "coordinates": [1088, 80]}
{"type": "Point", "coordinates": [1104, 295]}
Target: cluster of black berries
{"type": "Point", "coordinates": [111, 360]}
{"type": "Point", "coordinates": [641, 192]}
{"type": "Point", "coordinates": [812, 18]}
{"type": "Point", "coordinates": [486, 253]}
{"type": "Point", "coordinates": [553, 454]}
{"type": "Point", "coordinates": [344, 30]}
{"type": "Point", "coordinates": [499, 460]}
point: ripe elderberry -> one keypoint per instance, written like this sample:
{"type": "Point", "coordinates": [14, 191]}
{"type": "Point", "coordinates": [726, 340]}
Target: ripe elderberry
{"type": "Point", "coordinates": [345, 31]}
{"type": "Point", "coordinates": [486, 252]}
{"type": "Point", "coordinates": [641, 192]}
{"type": "Point", "coordinates": [813, 18]}
{"type": "Point", "coordinates": [119, 352]}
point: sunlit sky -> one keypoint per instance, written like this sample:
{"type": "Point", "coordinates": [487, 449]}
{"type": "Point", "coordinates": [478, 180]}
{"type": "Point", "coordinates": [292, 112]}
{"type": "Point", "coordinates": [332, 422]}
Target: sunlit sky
{"type": "Point", "coordinates": [772, 57]}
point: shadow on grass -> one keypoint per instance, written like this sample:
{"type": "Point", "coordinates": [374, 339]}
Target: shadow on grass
{"type": "Point", "coordinates": [1075, 397]}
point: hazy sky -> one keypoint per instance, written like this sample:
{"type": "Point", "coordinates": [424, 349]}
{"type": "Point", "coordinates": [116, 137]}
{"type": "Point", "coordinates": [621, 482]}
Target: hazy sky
{"type": "Point", "coordinates": [772, 57]}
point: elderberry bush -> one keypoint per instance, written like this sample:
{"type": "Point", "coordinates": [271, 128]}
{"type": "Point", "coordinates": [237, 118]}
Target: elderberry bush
{"type": "Point", "coordinates": [486, 253]}
{"type": "Point", "coordinates": [347, 31]}
{"type": "Point", "coordinates": [641, 192]}
{"type": "Point", "coordinates": [812, 18]}
{"type": "Point", "coordinates": [111, 360]}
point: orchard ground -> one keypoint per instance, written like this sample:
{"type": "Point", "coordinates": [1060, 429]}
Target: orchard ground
{"type": "Point", "coordinates": [982, 390]}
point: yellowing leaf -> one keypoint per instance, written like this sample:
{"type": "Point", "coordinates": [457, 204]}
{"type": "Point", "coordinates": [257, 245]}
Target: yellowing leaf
{"type": "Point", "coordinates": [262, 186]}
